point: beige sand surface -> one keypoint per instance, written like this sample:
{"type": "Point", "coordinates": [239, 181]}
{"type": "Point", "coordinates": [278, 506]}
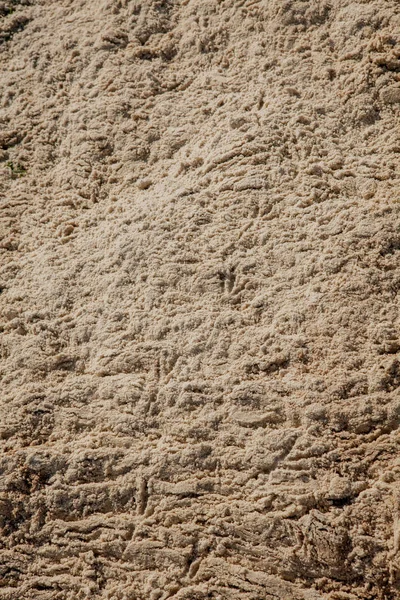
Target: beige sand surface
{"type": "Point", "coordinates": [199, 308]}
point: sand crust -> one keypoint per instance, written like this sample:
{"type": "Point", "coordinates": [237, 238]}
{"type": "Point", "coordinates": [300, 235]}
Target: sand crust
{"type": "Point", "coordinates": [199, 311]}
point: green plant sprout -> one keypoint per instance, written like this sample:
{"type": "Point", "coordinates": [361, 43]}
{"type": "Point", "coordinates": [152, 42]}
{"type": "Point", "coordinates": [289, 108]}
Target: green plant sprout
{"type": "Point", "coordinates": [16, 169]}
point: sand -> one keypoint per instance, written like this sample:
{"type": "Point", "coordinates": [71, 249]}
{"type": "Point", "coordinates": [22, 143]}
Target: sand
{"type": "Point", "coordinates": [199, 308]}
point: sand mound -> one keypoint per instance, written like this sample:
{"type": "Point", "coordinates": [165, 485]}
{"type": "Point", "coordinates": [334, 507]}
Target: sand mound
{"type": "Point", "coordinates": [199, 275]}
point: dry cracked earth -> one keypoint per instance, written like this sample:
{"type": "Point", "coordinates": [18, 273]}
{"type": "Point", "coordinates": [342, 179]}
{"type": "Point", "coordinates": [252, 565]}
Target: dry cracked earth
{"type": "Point", "coordinates": [199, 308]}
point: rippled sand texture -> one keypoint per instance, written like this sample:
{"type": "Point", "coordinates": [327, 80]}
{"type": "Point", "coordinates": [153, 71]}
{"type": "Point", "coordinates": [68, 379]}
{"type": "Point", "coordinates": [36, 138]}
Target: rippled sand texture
{"type": "Point", "coordinates": [200, 275]}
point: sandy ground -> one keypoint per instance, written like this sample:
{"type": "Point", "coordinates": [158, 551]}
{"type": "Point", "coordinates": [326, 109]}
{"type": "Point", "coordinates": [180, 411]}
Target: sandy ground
{"type": "Point", "coordinates": [199, 309]}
